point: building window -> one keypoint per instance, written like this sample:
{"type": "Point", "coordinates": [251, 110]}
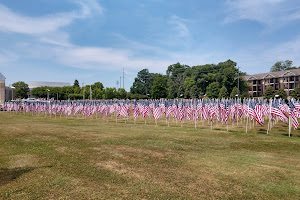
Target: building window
{"type": "Point", "coordinates": [297, 79]}
{"type": "Point", "coordinates": [277, 80]}
{"type": "Point", "coordinates": [259, 82]}
{"type": "Point", "coordinates": [254, 82]}
{"type": "Point", "coordinates": [271, 80]}
{"type": "Point", "coordinates": [291, 78]}
{"type": "Point", "coordinates": [292, 86]}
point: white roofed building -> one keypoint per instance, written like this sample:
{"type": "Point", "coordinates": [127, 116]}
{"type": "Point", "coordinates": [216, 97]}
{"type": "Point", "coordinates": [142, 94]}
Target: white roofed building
{"type": "Point", "coordinates": [35, 84]}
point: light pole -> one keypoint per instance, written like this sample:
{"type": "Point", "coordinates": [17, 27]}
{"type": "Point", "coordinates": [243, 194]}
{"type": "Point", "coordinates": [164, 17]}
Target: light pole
{"type": "Point", "coordinates": [238, 80]}
{"type": "Point", "coordinates": [48, 94]}
{"type": "Point", "coordinates": [12, 92]}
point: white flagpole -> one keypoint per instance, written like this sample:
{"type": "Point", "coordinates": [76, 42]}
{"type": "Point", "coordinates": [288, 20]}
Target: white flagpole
{"type": "Point", "coordinates": [290, 126]}
{"type": "Point", "coordinates": [269, 117]}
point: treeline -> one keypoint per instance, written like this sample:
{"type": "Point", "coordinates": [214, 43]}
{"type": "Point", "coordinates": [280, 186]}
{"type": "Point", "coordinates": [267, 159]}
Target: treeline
{"type": "Point", "coordinates": [183, 81]}
{"type": "Point", "coordinates": [75, 92]}
{"type": "Point", "coordinates": [280, 93]}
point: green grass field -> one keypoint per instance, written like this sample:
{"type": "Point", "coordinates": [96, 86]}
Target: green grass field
{"type": "Point", "coordinates": [47, 158]}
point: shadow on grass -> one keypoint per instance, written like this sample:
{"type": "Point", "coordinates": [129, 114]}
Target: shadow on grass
{"type": "Point", "coordinates": [9, 175]}
{"type": "Point", "coordinates": [262, 131]}
{"type": "Point", "coordinates": [286, 134]}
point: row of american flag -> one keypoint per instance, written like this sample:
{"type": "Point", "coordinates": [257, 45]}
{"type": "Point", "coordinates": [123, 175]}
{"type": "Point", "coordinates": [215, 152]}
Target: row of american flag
{"type": "Point", "coordinates": [206, 109]}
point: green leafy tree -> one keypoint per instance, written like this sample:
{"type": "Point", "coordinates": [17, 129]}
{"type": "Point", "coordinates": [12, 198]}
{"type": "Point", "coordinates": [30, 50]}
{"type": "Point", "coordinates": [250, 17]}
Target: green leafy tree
{"type": "Point", "coordinates": [212, 91]}
{"type": "Point", "coordinates": [269, 93]}
{"type": "Point", "coordinates": [21, 89]}
{"type": "Point", "coordinates": [122, 94]}
{"type": "Point", "coordinates": [172, 89]}
{"type": "Point", "coordinates": [77, 90]}
{"type": "Point", "coordinates": [296, 93]}
{"type": "Point", "coordinates": [159, 88]}
{"type": "Point", "coordinates": [76, 83]}
{"type": "Point", "coordinates": [110, 93]}
{"type": "Point", "coordinates": [39, 92]}
{"type": "Point", "coordinates": [97, 93]}
{"type": "Point", "coordinates": [143, 82]}
{"type": "Point", "coordinates": [194, 92]}
{"type": "Point", "coordinates": [281, 94]}
{"type": "Point", "coordinates": [187, 85]}
{"type": "Point", "coordinates": [244, 95]}
{"type": "Point", "coordinates": [234, 92]}
{"type": "Point", "coordinates": [282, 65]}
{"type": "Point", "coordinates": [174, 70]}
{"type": "Point", "coordinates": [223, 93]}
{"type": "Point", "coordinates": [180, 91]}
{"type": "Point", "coordinates": [97, 85]}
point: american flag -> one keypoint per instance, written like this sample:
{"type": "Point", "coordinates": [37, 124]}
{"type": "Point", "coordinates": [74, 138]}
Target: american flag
{"type": "Point", "coordinates": [293, 114]}
{"type": "Point", "coordinates": [276, 111]}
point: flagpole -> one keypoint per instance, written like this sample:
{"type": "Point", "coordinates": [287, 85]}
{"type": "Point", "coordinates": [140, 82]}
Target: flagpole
{"type": "Point", "coordinates": [269, 117]}
{"type": "Point", "coordinates": [290, 126]}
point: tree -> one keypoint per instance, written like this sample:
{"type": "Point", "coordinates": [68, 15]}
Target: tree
{"type": "Point", "coordinates": [187, 85]}
{"type": "Point", "coordinates": [122, 94]}
{"type": "Point", "coordinates": [282, 65]}
{"type": "Point", "coordinates": [97, 85]}
{"type": "Point", "coordinates": [180, 92]}
{"type": "Point", "coordinates": [234, 92]}
{"type": "Point", "coordinates": [174, 70]}
{"type": "Point", "coordinates": [223, 93]}
{"type": "Point", "coordinates": [282, 94]}
{"type": "Point", "coordinates": [143, 82]}
{"type": "Point", "coordinates": [172, 89]}
{"type": "Point", "coordinates": [21, 89]}
{"type": "Point", "coordinates": [212, 91]}
{"type": "Point", "coordinates": [296, 93]}
{"type": "Point", "coordinates": [194, 91]}
{"type": "Point", "coordinates": [110, 93]}
{"type": "Point", "coordinates": [159, 88]}
{"type": "Point", "coordinates": [76, 83]}
{"type": "Point", "coordinates": [269, 93]}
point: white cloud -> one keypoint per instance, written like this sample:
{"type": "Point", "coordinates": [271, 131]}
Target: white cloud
{"type": "Point", "coordinates": [7, 56]}
{"type": "Point", "coordinates": [286, 51]}
{"type": "Point", "coordinates": [269, 12]}
{"type": "Point", "coordinates": [13, 22]}
{"type": "Point", "coordinates": [105, 58]}
{"type": "Point", "coordinates": [180, 25]}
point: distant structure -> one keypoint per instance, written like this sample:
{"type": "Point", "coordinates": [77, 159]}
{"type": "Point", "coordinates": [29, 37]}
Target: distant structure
{"type": "Point", "coordinates": [2, 88]}
{"type": "Point", "coordinates": [288, 80]}
{"type": "Point", "coordinates": [35, 84]}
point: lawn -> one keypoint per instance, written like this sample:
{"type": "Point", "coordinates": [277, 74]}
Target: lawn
{"type": "Point", "coordinates": [65, 158]}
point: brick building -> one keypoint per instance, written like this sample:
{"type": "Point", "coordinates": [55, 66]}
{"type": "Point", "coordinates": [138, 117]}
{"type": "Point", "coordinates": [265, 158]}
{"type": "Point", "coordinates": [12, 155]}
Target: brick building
{"type": "Point", "coordinates": [2, 88]}
{"type": "Point", "coordinates": [288, 80]}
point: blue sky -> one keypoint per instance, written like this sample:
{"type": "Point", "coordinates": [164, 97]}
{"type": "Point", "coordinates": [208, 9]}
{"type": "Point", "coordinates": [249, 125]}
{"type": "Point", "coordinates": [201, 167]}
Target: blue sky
{"type": "Point", "coordinates": [93, 40]}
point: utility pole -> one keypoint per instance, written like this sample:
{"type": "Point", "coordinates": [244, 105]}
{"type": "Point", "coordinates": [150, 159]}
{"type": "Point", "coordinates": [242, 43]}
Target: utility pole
{"type": "Point", "coordinates": [117, 85]}
{"type": "Point", "coordinates": [120, 81]}
{"type": "Point", "coordinates": [123, 78]}
{"type": "Point", "coordinates": [238, 80]}
{"type": "Point", "coordinates": [83, 90]}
